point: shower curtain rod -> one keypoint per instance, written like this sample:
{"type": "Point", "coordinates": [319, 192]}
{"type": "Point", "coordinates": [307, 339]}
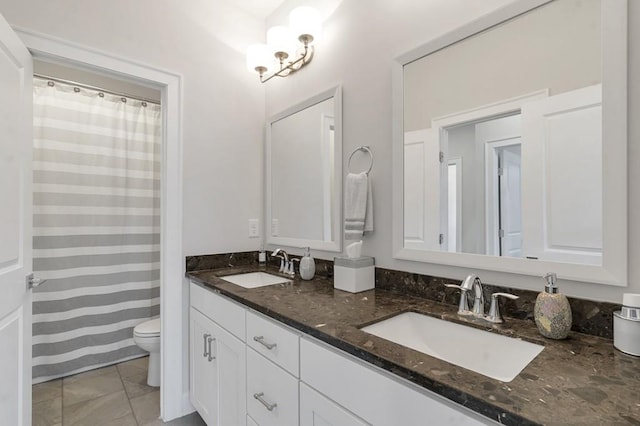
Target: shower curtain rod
{"type": "Point", "coordinates": [99, 89]}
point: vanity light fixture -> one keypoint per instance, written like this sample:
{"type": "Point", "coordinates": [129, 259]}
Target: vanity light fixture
{"type": "Point", "coordinates": [283, 53]}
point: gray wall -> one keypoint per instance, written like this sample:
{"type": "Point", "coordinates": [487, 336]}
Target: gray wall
{"type": "Point", "coordinates": [538, 50]}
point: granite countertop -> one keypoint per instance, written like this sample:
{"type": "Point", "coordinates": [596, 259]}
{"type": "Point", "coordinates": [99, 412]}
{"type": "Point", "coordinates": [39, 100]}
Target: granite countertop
{"type": "Point", "coordinates": [582, 380]}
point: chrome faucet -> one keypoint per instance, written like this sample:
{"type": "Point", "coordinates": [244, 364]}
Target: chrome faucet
{"type": "Point", "coordinates": [472, 282]}
{"type": "Point", "coordinates": [286, 265]}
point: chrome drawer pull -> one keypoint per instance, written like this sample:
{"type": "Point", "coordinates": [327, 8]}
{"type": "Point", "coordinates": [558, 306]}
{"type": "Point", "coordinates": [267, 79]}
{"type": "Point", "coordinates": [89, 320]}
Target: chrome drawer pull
{"type": "Point", "coordinates": [205, 337]}
{"type": "Point", "coordinates": [259, 396]}
{"type": "Point", "coordinates": [260, 339]}
{"type": "Point", "coordinates": [209, 340]}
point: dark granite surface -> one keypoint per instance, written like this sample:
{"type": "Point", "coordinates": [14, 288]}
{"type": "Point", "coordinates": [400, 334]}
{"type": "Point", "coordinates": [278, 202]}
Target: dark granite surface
{"type": "Point", "coordinates": [589, 317]}
{"type": "Point", "coordinates": [579, 381]}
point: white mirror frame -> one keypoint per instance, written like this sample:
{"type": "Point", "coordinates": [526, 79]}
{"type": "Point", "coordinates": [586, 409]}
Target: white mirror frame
{"type": "Point", "coordinates": [613, 270]}
{"type": "Point", "coordinates": [336, 209]}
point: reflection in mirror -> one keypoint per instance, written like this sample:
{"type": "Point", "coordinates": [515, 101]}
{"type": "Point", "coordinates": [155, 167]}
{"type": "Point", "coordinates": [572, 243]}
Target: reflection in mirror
{"type": "Point", "coordinates": [510, 141]}
{"type": "Point", "coordinates": [503, 139]}
{"type": "Point", "coordinates": [304, 172]}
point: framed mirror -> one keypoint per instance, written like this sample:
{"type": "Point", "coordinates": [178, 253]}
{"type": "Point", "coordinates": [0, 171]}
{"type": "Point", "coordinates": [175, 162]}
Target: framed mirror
{"type": "Point", "coordinates": [304, 174]}
{"type": "Point", "coordinates": [509, 150]}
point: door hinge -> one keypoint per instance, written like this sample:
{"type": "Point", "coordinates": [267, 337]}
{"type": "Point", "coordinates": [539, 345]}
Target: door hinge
{"type": "Point", "coordinates": [501, 233]}
{"type": "Point", "coordinates": [441, 157]}
{"type": "Point", "coordinates": [441, 239]}
{"type": "Point", "coordinates": [500, 171]}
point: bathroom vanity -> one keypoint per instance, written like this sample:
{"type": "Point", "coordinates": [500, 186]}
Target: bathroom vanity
{"type": "Point", "coordinates": [295, 353]}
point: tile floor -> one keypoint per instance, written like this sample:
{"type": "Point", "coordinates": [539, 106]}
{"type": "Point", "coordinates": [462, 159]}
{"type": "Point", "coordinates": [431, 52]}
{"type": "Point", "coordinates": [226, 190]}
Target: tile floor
{"type": "Point", "coordinates": [117, 395]}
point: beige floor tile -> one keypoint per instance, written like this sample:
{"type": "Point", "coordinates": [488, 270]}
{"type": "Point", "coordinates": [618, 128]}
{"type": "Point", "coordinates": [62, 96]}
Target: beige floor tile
{"type": "Point", "coordinates": [137, 385]}
{"type": "Point", "coordinates": [128, 420]}
{"type": "Point", "coordinates": [91, 373]}
{"type": "Point", "coordinates": [83, 387]}
{"type": "Point", "coordinates": [146, 408]}
{"type": "Point", "coordinates": [133, 367]}
{"type": "Point", "coordinates": [48, 412]}
{"type": "Point", "coordinates": [98, 411]}
{"type": "Point", "coordinates": [47, 390]}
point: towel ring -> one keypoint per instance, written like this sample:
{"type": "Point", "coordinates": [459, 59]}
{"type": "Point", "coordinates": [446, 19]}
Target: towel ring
{"type": "Point", "coordinates": [365, 149]}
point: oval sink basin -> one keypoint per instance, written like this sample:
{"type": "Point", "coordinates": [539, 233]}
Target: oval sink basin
{"type": "Point", "coordinates": [493, 355]}
{"type": "Point", "coordinates": [255, 279]}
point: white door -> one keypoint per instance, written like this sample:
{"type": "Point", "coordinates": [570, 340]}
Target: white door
{"type": "Point", "coordinates": [16, 123]}
{"type": "Point", "coordinates": [562, 155]}
{"type": "Point", "coordinates": [422, 184]}
{"type": "Point", "coordinates": [510, 204]}
{"type": "Point", "coordinates": [204, 375]}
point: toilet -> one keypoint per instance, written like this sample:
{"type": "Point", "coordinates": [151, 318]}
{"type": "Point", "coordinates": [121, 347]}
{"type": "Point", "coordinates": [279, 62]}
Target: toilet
{"type": "Point", "coordinates": [147, 337]}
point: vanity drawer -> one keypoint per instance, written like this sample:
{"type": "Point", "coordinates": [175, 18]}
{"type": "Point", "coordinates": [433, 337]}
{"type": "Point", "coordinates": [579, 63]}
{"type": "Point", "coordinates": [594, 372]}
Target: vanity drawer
{"type": "Point", "coordinates": [274, 341]}
{"type": "Point", "coordinates": [228, 314]}
{"type": "Point", "coordinates": [272, 393]}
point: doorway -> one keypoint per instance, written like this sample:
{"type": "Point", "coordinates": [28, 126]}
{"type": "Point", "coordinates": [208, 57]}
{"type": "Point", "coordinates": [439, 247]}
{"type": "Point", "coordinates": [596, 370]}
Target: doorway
{"type": "Point", "coordinates": [480, 186]}
{"type": "Point", "coordinates": [96, 219]}
{"type": "Point", "coordinates": [173, 296]}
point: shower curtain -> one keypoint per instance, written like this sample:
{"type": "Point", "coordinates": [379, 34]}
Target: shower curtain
{"type": "Point", "coordinates": [96, 226]}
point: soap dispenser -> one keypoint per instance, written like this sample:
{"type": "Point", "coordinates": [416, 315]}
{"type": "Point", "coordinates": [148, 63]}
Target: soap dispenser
{"type": "Point", "coordinates": [552, 311]}
{"type": "Point", "coordinates": [307, 265]}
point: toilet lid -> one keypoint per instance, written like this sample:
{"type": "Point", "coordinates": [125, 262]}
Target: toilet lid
{"type": "Point", "coordinates": [148, 328]}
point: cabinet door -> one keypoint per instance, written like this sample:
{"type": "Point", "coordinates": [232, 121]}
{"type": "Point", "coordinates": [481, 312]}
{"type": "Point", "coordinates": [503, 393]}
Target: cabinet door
{"type": "Point", "coordinates": [204, 375]}
{"type": "Point", "coordinates": [316, 410]}
{"type": "Point", "coordinates": [230, 362]}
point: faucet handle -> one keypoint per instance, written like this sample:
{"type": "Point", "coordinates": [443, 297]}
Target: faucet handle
{"type": "Point", "coordinates": [494, 311]}
{"type": "Point", "coordinates": [459, 287]}
{"type": "Point", "coordinates": [463, 305]}
{"type": "Point", "coordinates": [292, 269]}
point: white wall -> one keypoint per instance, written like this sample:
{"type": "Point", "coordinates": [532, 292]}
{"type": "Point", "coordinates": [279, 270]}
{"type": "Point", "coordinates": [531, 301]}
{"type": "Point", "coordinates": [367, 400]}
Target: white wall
{"type": "Point", "coordinates": [361, 40]}
{"type": "Point", "coordinates": [223, 103]}
{"type": "Point", "coordinates": [462, 144]}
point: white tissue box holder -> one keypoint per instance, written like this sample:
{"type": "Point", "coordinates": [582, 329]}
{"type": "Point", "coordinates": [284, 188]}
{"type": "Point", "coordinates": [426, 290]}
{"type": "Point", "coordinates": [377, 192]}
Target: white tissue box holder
{"type": "Point", "coordinates": [354, 274]}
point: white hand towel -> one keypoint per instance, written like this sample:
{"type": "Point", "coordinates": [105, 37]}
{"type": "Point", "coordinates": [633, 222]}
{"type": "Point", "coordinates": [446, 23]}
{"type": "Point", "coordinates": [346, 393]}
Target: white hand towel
{"type": "Point", "coordinates": [358, 206]}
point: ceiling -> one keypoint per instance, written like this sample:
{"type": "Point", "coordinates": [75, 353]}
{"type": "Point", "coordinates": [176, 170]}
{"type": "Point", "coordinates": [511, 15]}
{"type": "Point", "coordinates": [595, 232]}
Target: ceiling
{"type": "Point", "coordinates": [259, 8]}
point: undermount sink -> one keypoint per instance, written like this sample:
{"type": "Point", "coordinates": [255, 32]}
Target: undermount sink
{"type": "Point", "coordinates": [493, 355]}
{"type": "Point", "coordinates": [255, 279]}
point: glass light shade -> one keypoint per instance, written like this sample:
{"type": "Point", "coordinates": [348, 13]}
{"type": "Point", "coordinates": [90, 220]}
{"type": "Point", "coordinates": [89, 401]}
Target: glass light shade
{"type": "Point", "coordinates": [279, 39]}
{"type": "Point", "coordinates": [306, 21]}
{"type": "Point", "coordinates": [258, 55]}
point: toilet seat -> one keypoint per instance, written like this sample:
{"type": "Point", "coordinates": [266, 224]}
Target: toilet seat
{"type": "Point", "coordinates": [148, 329]}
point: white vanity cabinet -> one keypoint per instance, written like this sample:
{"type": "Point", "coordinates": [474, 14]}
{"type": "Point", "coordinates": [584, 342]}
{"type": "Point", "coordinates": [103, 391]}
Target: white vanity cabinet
{"type": "Point", "coordinates": [318, 410]}
{"type": "Point", "coordinates": [218, 359]}
{"type": "Point", "coordinates": [373, 395]}
{"type": "Point", "coordinates": [260, 372]}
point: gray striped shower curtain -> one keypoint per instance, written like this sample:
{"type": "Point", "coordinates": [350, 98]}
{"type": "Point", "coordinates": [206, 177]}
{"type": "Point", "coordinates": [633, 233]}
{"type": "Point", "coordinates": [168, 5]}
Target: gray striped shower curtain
{"type": "Point", "coordinates": [95, 225]}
